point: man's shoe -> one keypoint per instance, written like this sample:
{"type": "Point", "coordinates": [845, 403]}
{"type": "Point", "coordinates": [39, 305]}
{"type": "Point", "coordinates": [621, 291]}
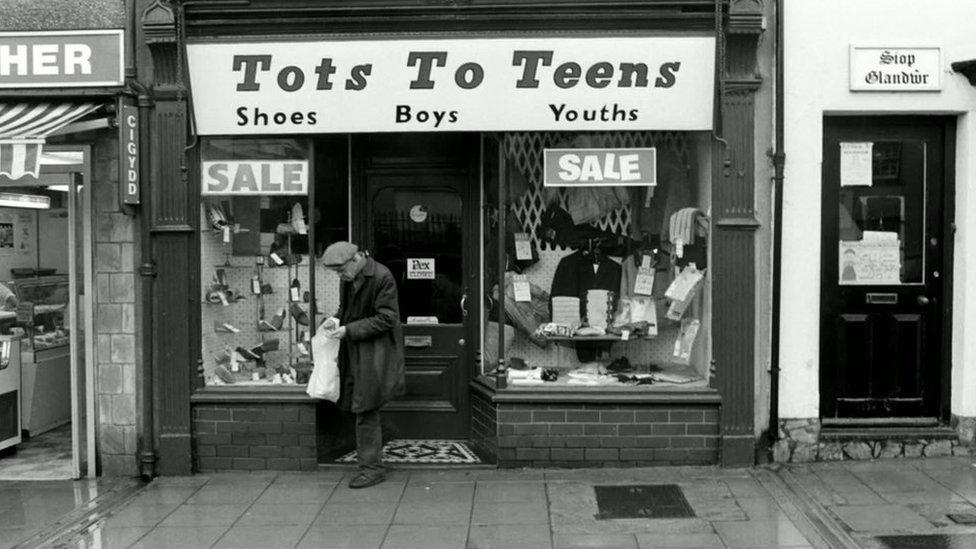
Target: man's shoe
{"type": "Point", "coordinates": [362, 480]}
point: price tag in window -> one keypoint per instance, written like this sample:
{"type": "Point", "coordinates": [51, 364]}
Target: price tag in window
{"type": "Point", "coordinates": [523, 291]}
{"type": "Point", "coordinates": [644, 283]}
{"type": "Point", "coordinates": [523, 247]}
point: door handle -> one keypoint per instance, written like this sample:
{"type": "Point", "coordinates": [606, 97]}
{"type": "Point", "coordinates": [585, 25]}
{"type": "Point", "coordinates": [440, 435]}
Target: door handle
{"type": "Point", "coordinates": [923, 300]}
{"type": "Point", "coordinates": [463, 304]}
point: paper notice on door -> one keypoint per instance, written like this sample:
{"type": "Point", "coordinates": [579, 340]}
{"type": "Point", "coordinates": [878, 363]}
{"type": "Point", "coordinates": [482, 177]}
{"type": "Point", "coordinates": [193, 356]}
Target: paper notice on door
{"type": "Point", "coordinates": [869, 262]}
{"type": "Point", "coordinates": [855, 164]}
{"type": "Point", "coordinates": [420, 268]}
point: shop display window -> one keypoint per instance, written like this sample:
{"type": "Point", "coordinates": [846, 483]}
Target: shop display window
{"type": "Point", "coordinates": [605, 281]}
{"type": "Point", "coordinates": [268, 208]}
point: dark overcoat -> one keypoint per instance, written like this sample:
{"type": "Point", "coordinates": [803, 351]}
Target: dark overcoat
{"type": "Point", "coordinates": [371, 356]}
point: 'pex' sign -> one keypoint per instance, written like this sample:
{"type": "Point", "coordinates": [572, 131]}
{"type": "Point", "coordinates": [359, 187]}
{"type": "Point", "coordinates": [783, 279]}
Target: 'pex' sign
{"type": "Point", "coordinates": [599, 167]}
{"type": "Point", "coordinates": [254, 177]}
{"type": "Point", "coordinates": [453, 84]}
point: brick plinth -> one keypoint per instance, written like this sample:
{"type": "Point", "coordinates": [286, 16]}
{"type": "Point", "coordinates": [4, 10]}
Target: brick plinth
{"type": "Point", "coordinates": [596, 435]}
{"type": "Point", "coordinates": [251, 436]}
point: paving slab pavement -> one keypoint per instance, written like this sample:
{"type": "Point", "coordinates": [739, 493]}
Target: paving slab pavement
{"type": "Point", "coordinates": [875, 505]}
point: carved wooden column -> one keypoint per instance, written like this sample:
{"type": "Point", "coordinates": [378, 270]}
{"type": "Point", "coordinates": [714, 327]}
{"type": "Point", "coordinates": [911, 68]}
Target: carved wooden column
{"type": "Point", "coordinates": [734, 241]}
{"type": "Point", "coordinates": [171, 208]}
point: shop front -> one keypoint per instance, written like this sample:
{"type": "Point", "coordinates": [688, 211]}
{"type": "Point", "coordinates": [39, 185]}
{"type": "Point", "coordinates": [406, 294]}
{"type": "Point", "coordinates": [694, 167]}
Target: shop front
{"type": "Point", "coordinates": [62, 234]}
{"type": "Point", "coordinates": [875, 216]}
{"type": "Point", "coordinates": [570, 217]}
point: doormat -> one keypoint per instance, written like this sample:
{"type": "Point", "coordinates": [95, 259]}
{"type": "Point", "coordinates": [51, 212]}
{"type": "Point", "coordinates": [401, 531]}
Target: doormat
{"type": "Point", "coordinates": [641, 501]}
{"type": "Point", "coordinates": [929, 541]}
{"type": "Point", "coordinates": [423, 451]}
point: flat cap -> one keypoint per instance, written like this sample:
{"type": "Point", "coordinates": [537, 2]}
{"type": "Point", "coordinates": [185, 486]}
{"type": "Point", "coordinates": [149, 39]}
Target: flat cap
{"type": "Point", "coordinates": [338, 253]}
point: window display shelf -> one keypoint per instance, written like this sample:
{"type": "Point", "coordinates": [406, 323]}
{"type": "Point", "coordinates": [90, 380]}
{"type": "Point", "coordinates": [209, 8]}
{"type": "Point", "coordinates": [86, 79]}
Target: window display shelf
{"type": "Point", "coordinates": [608, 337]}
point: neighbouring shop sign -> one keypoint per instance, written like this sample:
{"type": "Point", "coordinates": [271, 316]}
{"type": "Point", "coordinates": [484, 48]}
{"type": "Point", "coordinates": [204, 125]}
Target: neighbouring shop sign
{"type": "Point", "coordinates": [596, 167]}
{"type": "Point", "coordinates": [895, 69]}
{"type": "Point", "coordinates": [485, 84]}
{"type": "Point", "coordinates": [254, 177]}
{"type": "Point", "coordinates": [61, 59]}
{"type": "Point", "coordinates": [129, 153]}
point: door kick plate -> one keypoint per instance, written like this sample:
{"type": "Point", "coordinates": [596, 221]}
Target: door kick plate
{"type": "Point", "coordinates": [881, 298]}
{"type": "Point", "coordinates": [418, 341]}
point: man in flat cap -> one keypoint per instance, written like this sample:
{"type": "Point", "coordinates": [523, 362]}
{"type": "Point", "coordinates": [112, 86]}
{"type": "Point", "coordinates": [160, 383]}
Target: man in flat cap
{"type": "Point", "coordinates": [371, 354]}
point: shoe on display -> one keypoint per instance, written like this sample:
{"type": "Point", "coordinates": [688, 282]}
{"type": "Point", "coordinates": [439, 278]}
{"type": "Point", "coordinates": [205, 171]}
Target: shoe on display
{"type": "Point", "coordinates": [225, 327]}
{"type": "Point", "coordinates": [269, 345]}
{"type": "Point", "coordinates": [250, 355]}
{"type": "Point", "coordinates": [216, 216]}
{"type": "Point", "coordinates": [277, 253]}
{"type": "Point", "coordinates": [299, 314]}
{"type": "Point", "coordinates": [285, 228]}
{"type": "Point", "coordinates": [275, 324]}
{"type": "Point", "coordinates": [223, 374]}
{"type": "Point", "coordinates": [298, 219]}
{"type": "Point", "coordinates": [266, 289]}
{"type": "Point", "coordinates": [364, 480]}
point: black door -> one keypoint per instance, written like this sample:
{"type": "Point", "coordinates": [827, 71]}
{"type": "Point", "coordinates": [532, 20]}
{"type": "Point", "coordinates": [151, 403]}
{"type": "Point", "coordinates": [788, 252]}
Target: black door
{"type": "Point", "coordinates": [418, 218]}
{"type": "Point", "coordinates": [884, 315]}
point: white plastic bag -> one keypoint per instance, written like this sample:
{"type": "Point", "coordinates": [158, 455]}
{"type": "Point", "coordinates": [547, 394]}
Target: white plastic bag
{"type": "Point", "coordinates": [324, 381]}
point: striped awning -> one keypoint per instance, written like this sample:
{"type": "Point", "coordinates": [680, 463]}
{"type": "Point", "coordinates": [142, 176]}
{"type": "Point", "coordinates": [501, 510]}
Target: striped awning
{"type": "Point", "coordinates": [25, 126]}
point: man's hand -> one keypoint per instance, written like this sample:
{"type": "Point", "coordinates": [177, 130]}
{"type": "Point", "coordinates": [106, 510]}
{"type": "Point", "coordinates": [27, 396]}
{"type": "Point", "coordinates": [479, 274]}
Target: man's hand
{"type": "Point", "coordinates": [329, 324]}
{"type": "Point", "coordinates": [338, 333]}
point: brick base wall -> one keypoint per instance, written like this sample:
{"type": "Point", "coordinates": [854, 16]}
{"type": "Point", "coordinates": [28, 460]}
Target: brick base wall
{"type": "Point", "coordinates": [247, 436]}
{"type": "Point", "coordinates": [484, 427]}
{"type": "Point", "coordinates": [596, 435]}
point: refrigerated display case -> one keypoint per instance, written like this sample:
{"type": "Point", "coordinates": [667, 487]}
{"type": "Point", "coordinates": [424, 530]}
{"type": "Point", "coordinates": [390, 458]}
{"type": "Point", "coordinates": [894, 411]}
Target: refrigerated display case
{"type": "Point", "coordinates": [42, 315]}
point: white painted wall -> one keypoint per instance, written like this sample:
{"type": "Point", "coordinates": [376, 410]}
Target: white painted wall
{"type": "Point", "coordinates": [818, 35]}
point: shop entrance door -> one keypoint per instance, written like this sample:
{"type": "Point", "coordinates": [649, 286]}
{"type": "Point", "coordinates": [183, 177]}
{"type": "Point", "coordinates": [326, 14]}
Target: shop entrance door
{"type": "Point", "coordinates": [886, 269]}
{"type": "Point", "coordinates": [419, 222]}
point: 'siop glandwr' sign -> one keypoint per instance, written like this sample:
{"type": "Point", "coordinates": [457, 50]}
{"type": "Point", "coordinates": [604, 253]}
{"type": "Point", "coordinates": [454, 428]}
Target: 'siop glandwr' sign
{"type": "Point", "coordinates": [485, 84]}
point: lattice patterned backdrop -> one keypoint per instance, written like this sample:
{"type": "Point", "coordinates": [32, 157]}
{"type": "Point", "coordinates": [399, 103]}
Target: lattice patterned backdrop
{"type": "Point", "coordinates": [525, 151]}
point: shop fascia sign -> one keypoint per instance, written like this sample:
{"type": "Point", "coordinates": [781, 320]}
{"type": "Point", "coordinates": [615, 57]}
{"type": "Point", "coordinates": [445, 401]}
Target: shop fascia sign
{"type": "Point", "coordinates": [254, 177]}
{"type": "Point", "coordinates": [599, 167]}
{"type": "Point", "coordinates": [452, 84]}
{"type": "Point", "coordinates": [885, 68]}
{"type": "Point", "coordinates": [61, 59]}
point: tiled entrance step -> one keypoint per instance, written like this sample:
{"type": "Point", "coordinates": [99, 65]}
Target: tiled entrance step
{"type": "Point", "coordinates": [423, 451]}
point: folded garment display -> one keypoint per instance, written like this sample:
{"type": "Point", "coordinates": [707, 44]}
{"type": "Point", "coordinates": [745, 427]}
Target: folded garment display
{"type": "Point", "coordinates": [590, 331]}
{"type": "Point", "coordinates": [599, 304]}
{"type": "Point", "coordinates": [553, 329]}
{"type": "Point", "coordinates": [566, 310]}
{"type": "Point", "coordinates": [675, 377]}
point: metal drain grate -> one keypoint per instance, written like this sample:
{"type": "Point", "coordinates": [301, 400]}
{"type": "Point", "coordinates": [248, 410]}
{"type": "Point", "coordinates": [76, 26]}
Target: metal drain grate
{"type": "Point", "coordinates": [934, 541]}
{"type": "Point", "coordinates": [641, 501]}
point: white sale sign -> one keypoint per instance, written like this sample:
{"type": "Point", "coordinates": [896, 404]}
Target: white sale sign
{"type": "Point", "coordinates": [450, 84]}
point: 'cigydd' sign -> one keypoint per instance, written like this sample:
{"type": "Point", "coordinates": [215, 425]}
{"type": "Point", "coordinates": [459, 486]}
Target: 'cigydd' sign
{"type": "Point", "coordinates": [599, 167]}
{"type": "Point", "coordinates": [254, 177]}
{"type": "Point", "coordinates": [484, 84]}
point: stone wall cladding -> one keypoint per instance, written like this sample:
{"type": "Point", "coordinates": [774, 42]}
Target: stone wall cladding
{"type": "Point", "coordinates": [596, 435]}
{"type": "Point", "coordinates": [116, 350]}
{"type": "Point", "coordinates": [799, 442]}
{"type": "Point", "coordinates": [245, 436]}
